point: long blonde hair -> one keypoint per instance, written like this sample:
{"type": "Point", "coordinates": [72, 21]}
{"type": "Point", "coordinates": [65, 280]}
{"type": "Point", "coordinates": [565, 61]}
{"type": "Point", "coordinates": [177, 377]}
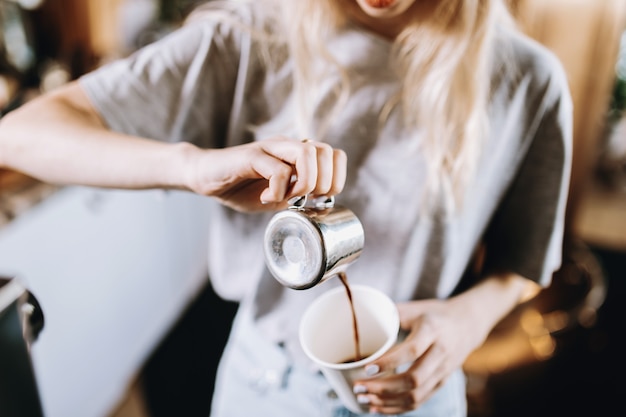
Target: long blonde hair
{"type": "Point", "coordinates": [444, 57]}
{"type": "Point", "coordinates": [445, 60]}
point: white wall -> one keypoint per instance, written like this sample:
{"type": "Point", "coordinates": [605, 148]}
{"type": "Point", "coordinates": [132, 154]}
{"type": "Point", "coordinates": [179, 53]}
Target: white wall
{"type": "Point", "coordinates": [112, 270]}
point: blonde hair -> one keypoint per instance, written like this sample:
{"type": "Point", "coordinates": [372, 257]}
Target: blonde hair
{"type": "Point", "coordinates": [444, 57]}
{"type": "Point", "coordinates": [445, 60]}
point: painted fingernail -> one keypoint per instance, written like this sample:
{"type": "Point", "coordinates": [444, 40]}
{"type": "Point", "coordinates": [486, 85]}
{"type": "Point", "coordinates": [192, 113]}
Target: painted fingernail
{"type": "Point", "coordinates": [359, 389]}
{"type": "Point", "coordinates": [362, 399]}
{"type": "Point", "coordinates": [372, 369]}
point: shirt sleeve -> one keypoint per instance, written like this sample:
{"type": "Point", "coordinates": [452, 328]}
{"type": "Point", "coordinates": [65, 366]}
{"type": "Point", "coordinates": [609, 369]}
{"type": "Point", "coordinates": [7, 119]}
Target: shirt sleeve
{"type": "Point", "coordinates": [526, 233]}
{"type": "Point", "coordinates": [180, 88]}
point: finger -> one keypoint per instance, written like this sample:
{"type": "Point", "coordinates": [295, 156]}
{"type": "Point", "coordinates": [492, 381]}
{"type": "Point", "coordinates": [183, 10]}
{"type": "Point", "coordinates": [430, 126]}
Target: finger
{"type": "Point", "coordinates": [389, 405]}
{"type": "Point", "coordinates": [390, 385]}
{"type": "Point", "coordinates": [278, 174]}
{"type": "Point", "coordinates": [306, 171]}
{"type": "Point", "coordinates": [416, 344]}
{"type": "Point", "coordinates": [391, 410]}
{"type": "Point", "coordinates": [397, 403]}
{"type": "Point", "coordinates": [302, 156]}
{"type": "Point", "coordinates": [340, 163]}
{"type": "Point", "coordinates": [424, 373]}
{"type": "Point", "coordinates": [325, 168]}
{"type": "Point", "coordinates": [403, 402]}
{"type": "Point", "coordinates": [331, 171]}
{"type": "Point", "coordinates": [409, 312]}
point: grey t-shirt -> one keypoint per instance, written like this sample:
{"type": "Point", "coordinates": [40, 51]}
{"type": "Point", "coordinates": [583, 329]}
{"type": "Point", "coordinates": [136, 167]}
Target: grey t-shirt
{"type": "Point", "coordinates": [206, 84]}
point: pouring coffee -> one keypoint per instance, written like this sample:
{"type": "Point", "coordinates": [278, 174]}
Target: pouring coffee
{"type": "Point", "coordinates": [311, 241]}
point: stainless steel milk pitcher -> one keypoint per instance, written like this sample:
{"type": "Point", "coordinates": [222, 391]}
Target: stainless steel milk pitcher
{"type": "Point", "coordinates": [311, 241]}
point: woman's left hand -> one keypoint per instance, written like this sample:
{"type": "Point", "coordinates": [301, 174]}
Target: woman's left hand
{"type": "Point", "coordinates": [440, 338]}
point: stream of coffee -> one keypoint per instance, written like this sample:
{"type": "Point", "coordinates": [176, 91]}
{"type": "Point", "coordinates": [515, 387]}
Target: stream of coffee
{"type": "Point", "coordinates": [357, 350]}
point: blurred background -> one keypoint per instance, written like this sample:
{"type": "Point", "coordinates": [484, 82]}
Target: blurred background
{"type": "Point", "coordinates": [134, 329]}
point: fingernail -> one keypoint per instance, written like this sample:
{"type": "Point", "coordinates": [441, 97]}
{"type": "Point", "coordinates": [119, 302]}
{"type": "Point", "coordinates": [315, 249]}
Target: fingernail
{"type": "Point", "coordinates": [297, 201]}
{"type": "Point", "coordinates": [362, 399]}
{"type": "Point", "coordinates": [372, 369]}
{"type": "Point", "coordinates": [359, 389]}
{"type": "Point", "coordinates": [264, 202]}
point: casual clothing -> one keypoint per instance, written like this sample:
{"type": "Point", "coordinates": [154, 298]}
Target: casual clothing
{"type": "Point", "coordinates": [258, 379]}
{"type": "Point", "coordinates": [206, 84]}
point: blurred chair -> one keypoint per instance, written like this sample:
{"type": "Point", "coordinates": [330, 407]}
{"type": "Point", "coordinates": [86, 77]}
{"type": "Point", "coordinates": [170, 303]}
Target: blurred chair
{"type": "Point", "coordinates": [21, 320]}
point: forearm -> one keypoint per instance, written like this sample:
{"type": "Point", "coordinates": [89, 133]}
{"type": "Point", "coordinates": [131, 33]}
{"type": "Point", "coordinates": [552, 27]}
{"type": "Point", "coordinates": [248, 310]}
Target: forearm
{"type": "Point", "coordinates": [60, 139]}
{"type": "Point", "coordinates": [490, 300]}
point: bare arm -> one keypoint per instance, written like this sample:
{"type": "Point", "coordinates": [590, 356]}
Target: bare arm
{"type": "Point", "coordinates": [61, 138]}
{"type": "Point", "coordinates": [489, 301]}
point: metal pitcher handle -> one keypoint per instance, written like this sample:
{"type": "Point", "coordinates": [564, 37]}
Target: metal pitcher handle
{"type": "Point", "coordinates": [304, 201]}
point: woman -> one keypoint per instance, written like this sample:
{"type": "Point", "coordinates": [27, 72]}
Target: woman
{"type": "Point", "coordinates": [438, 124]}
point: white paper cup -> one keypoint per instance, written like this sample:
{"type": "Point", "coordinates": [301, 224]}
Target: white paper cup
{"type": "Point", "coordinates": [327, 335]}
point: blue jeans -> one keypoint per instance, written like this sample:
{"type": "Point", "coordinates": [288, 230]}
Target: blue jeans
{"type": "Point", "coordinates": [257, 379]}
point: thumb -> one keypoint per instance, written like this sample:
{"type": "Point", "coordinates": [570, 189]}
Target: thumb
{"type": "Point", "coordinates": [409, 312]}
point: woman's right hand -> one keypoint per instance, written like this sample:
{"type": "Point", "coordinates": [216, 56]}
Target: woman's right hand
{"type": "Point", "coordinates": [250, 177]}
{"type": "Point", "coordinates": [264, 175]}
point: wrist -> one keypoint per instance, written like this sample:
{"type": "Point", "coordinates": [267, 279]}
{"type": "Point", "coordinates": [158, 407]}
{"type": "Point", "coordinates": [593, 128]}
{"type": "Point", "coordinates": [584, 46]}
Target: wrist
{"type": "Point", "coordinates": [472, 311]}
{"type": "Point", "coordinates": [182, 172]}
{"type": "Point", "coordinates": [489, 301]}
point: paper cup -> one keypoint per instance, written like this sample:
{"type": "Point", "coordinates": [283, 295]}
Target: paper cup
{"type": "Point", "coordinates": [327, 336]}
